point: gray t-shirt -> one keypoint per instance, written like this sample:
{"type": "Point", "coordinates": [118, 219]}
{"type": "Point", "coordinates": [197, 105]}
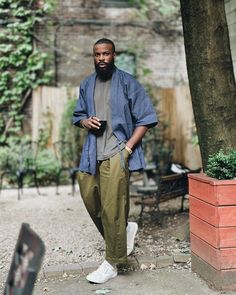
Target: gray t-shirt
{"type": "Point", "coordinates": [107, 144]}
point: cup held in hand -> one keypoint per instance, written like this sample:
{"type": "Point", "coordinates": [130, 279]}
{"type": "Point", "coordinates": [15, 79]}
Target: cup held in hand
{"type": "Point", "coordinates": [100, 131]}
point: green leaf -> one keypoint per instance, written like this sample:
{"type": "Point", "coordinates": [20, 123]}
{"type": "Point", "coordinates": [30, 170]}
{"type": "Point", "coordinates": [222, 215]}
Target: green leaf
{"type": "Point", "coordinates": [146, 71]}
{"type": "Point", "coordinates": [5, 48]}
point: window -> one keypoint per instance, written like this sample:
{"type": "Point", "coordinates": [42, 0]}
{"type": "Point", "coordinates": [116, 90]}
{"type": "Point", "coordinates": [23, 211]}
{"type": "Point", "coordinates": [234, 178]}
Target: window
{"type": "Point", "coordinates": [126, 62]}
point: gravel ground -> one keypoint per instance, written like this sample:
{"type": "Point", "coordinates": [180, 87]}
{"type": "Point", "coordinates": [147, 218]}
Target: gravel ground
{"type": "Point", "coordinates": [69, 234]}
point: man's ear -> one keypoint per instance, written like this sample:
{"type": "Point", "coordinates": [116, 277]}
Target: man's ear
{"type": "Point", "coordinates": [114, 54]}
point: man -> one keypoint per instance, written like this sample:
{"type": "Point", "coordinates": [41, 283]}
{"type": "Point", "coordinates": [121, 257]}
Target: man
{"type": "Point", "coordinates": [111, 150]}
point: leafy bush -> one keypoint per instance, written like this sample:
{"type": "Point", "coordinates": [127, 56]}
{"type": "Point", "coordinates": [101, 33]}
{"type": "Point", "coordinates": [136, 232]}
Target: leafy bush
{"type": "Point", "coordinates": [222, 165]}
{"type": "Point", "coordinates": [47, 167]}
{"type": "Point", "coordinates": [11, 157]}
{"type": "Point", "coordinates": [71, 134]}
{"type": "Point", "coordinates": [15, 157]}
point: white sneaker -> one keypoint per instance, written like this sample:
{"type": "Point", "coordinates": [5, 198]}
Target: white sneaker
{"type": "Point", "coordinates": [131, 231]}
{"type": "Point", "coordinates": [104, 273]}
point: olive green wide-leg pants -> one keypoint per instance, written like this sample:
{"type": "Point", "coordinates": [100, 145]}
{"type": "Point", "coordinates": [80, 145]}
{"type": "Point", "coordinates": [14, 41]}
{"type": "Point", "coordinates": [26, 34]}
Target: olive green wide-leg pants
{"type": "Point", "coordinates": [106, 197]}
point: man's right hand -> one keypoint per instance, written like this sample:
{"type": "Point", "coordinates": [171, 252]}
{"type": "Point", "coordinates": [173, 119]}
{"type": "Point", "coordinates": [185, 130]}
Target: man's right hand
{"type": "Point", "coordinates": [92, 123]}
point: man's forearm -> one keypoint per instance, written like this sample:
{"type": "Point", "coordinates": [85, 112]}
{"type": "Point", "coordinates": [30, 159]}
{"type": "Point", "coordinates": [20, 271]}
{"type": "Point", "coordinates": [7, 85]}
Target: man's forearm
{"type": "Point", "coordinates": [136, 137]}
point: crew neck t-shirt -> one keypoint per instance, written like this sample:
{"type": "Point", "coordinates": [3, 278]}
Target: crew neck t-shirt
{"type": "Point", "coordinates": [107, 144]}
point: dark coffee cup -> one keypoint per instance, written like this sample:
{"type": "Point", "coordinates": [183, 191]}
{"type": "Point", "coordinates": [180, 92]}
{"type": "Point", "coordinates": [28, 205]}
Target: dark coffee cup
{"type": "Point", "coordinates": [100, 131]}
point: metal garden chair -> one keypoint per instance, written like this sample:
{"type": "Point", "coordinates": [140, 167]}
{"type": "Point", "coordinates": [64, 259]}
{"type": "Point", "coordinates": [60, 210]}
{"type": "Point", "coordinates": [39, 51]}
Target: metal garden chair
{"type": "Point", "coordinates": [66, 157]}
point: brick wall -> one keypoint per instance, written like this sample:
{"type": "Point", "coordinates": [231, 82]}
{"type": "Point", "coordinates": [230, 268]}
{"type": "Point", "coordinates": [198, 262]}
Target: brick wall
{"type": "Point", "coordinates": [78, 24]}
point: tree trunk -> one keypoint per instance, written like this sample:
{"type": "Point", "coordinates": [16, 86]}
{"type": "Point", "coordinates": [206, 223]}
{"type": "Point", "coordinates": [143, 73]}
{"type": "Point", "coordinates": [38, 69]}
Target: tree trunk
{"type": "Point", "coordinates": [210, 72]}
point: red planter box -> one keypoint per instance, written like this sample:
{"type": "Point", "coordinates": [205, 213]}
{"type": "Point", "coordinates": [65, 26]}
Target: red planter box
{"type": "Point", "coordinates": [212, 205]}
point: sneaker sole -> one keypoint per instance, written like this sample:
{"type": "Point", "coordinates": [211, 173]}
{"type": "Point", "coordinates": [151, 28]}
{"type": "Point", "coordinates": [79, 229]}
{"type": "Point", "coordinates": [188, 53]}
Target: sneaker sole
{"type": "Point", "coordinates": [103, 281]}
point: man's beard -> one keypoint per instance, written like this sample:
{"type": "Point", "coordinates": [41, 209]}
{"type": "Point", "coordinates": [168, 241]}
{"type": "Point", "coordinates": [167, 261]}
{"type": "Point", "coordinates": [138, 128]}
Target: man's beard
{"type": "Point", "coordinates": [105, 73]}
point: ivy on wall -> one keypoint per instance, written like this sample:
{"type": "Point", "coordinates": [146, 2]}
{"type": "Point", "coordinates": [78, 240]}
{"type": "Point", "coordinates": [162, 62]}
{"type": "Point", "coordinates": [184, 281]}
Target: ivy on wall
{"type": "Point", "coordinates": [22, 65]}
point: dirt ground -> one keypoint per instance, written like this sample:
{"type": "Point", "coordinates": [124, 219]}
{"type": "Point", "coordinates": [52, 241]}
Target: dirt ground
{"type": "Point", "coordinates": [69, 234]}
{"type": "Point", "coordinates": [171, 237]}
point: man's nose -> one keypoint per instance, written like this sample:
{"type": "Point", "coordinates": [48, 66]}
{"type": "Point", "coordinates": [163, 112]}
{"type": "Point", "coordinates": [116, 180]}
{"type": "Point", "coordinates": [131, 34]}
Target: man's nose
{"type": "Point", "coordinates": [101, 57]}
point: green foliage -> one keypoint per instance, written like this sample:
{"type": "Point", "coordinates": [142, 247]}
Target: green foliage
{"type": "Point", "coordinates": [20, 153]}
{"type": "Point", "coordinates": [194, 135]}
{"type": "Point", "coordinates": [12, 158]}
{"type": "Point", "coordinates": [7, 162]}
{"type": "Point", "coordinates": [45, 131]}
{"type": "Point", "coordinates": [126, 62]}
{"type": "Point", "coordinates": [146, 72]}
{"type": "Point", "coordinates": [70, 133]}
{"type": "Point", "coordinates": [166, 8]}
{"type": "Point", "coordinates": [22, 65]}
{"type": "Point", "coordinates": [222, 165]}
{"type": "Point", "coordinates": [47, 167]}
{"type": "Point", "coordinates": [43, 159]}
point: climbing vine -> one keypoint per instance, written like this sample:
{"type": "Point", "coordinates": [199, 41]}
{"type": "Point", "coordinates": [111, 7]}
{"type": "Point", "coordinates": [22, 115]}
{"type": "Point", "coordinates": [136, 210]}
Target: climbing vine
{"type": "Point", "coordinates": [22, 65]}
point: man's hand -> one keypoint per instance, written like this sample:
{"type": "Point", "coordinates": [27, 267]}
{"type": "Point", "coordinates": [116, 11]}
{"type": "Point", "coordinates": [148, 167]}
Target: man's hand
{"type": "Point", "coordinates": [92, 123]}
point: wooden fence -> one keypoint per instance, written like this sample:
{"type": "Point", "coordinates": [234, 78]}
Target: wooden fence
{"type": "Point", "coordinates": [47, 109]}
{"type": "Point", "coordinates": [174, 103]}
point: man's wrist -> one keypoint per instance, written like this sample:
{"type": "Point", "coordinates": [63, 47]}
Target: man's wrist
{"type": "Point", "coordinates": [128, 149]}
{"type": "Point", "coordinates": [82, 123]}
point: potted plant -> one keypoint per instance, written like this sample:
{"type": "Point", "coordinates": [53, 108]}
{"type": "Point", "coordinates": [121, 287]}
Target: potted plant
{"type": "Point", "coordinates": [212, 204]}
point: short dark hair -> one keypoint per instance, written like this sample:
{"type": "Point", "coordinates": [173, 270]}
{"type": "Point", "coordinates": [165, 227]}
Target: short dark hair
{"type": "Point", "coordinates": [106, 41]}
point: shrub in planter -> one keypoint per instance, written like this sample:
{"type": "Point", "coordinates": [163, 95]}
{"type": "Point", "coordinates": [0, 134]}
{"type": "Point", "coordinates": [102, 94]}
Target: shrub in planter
{"type": "Point", "coordinates": [212, 205]}
{"type": "Point", "coordinates": [222, 165]}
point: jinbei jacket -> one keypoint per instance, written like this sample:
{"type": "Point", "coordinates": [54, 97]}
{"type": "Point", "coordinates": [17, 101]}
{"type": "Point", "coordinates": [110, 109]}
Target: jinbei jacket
{"type": "Point", "coordinates": [130, 107]}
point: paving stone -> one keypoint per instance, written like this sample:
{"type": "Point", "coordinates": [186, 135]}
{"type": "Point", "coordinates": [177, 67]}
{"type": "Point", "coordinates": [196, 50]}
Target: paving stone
{"type": "Point", "coordinates": [164, 261]}
{"type": "Point", "coordinates": [181, 258]}
{"type": "Point", "coordinates": [146, 260]}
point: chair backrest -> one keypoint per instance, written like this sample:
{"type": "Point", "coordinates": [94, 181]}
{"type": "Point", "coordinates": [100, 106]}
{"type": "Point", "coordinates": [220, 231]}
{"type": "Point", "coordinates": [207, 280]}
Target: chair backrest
{"type": "Point", "coordinates": [163, 156]}
{"type": "Point", "coordinates": [18, 156]}
{"type": "Point", "coordinates": [28, 154]}
{"type": "Point", "coordinates": [64, 153]}
{"type": "Point", "coordinates": [159, 152]}
{"type": "Point", "coordinates": [4, 159]}
{"type": "Point", "coordinates": [171, 186]}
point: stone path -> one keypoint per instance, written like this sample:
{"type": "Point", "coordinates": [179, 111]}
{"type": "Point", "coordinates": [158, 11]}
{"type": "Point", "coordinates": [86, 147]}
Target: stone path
{"type": "Point", "coordinates": [72, 240]}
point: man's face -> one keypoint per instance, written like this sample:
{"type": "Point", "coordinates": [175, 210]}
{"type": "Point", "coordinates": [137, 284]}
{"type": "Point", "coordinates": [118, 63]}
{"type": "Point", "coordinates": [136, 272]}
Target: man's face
{"type": "Point", "coordinates": [104, 60]}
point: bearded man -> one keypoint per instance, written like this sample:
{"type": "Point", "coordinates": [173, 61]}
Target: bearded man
{"type": "Point", "coordinates": [116, 112]}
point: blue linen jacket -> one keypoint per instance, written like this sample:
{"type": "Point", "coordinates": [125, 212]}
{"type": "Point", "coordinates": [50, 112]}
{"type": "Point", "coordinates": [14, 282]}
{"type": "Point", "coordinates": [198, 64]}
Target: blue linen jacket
{"type": "Point", "coordinates": [130, 107]}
